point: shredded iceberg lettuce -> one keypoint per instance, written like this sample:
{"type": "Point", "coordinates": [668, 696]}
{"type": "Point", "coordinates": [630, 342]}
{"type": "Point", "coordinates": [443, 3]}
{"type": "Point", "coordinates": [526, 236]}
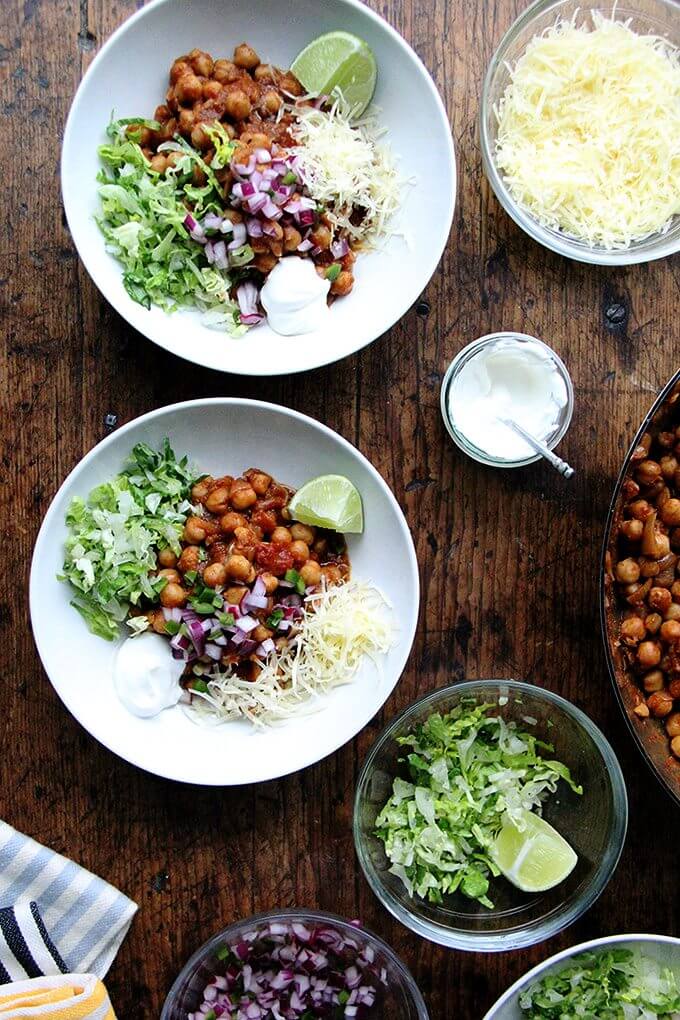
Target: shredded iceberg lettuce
{"type": "Point", "coordinates": [609, 984]}
{"type": "Point", "coordinates": [114, 535]}
{"type": "Point", "coordinates": [467, 770]}
{"type": "Point", "coordinates": [142, 219]}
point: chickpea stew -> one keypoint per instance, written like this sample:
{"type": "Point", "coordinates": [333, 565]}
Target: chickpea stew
{"type": "Point", "coordinates": [218, 566]}
{"type": "Point", "coordinates": [643, 572]}
{"type": "Point", "coordinates": [231, 176]}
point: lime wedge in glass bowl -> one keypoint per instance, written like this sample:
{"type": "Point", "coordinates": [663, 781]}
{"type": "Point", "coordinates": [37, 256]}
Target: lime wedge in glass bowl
{"type": "Point", "coordinates": [534, 858]}
{"type": "Point", "coordinates": [329, 501]}
{"type": "Point", "coordinates": [338, 62]}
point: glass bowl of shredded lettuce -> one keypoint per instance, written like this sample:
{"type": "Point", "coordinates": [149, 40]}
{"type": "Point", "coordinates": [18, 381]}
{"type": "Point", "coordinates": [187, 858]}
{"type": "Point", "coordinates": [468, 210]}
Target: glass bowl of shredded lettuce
{"type": "Point", "coordinates": [424, 818]}
{"type": "Point", "coordinates": [622, 977]}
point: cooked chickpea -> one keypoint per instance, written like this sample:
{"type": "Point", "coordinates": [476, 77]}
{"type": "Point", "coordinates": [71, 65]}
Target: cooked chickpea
{"type": "Point", "coordinates": [649, 568]}
{"type": "Point", "coordinates": [243, 498]}
{"type": "Point", "coordinates": [670, 631]}
{"type": "Point", "coordinates": [217, 500]}
{"type": "Point", "coordinates": [675, 746]}
{"type": "Point", "coordinates": [190, 558]}
{"type": "Point", "coordinates": [246, 535]}
{"type": "Point", "coordinates": [225, 71]}
{"type": "Point", "coordinates": [674, 688]}
{"type": "Point", "coordinates": [260, 481]}
{"type": "Point", "coordinates": [653, 681]}
{"type": "Point", "coordinates": [632, 630]}
{"type": "Point", "coordinates": [282, 536]}
{"type": "Point", "coordinates": [167, 558]}
{"type": "Point", "coordinates": [627, 571]}
{"type": "Point", "coordinates": [649, 654]}
{"type": "Point", "coordinates": [215, 574]}
{"type": "Point", "coordinates": [640, 509]}
{"type": "Point", "coordinates": [321, 236]}
{"type": "Point", "coordinates": [231, 521]}
{"type": "Point", "coordinates": [170, 575]}
{"type": "Point", "coordinates": [195, 530]}
{"type": "Point", "coordinates": [310, 572]}
{"type": "Point", "coordinates": [189, 89]}
{"type": "Point", "coordinates": [302, 533]}
{"type": "Point", "coordinates": [265, 73]}
{"type": "Point", "coordinates": [265, 263]}
{"type": "Point", "coordinates": [670, 512]}
{"type": "Point", "coordinates": [157, 621]}
{"type": "Point", "coordinates": [673, 724]}
{"type": "Point", "coordinates": [211, 89]}
{"type": "Point", "coordinates": [673, 612]}
{"type": "Point", "coordinates": [270, 582]}
{"type": "Point", "coordinates": [261, 633]}
{"type": "Point", "coordinates": [200, 139]}
{"type": "Point", "coordinates": [320, 546]}
{"type": "Point", "coordinates": [202, 63]}
{"type": "Point", "coordinates": [238, 567]}
{"type": "Point", "coordinates": [173, 595]}
{"type": "Point", "coordinates": [332, 574]}
{"type": "Point", "coordinates": [660, 704]}
{"type": "Point", "coordinates": [233, 596]}
{"type": "Point", "coordinates": [342, 284]}
{"type": "Point", "coordinates": [246, 57]}
{"type": "Point", "coordinates": [289, 83]}
{"type": "Point", "coordinates": [632, 530]}
{"type": "Point", "coordinates": [291, 238]}
{"type": "Point", "coordinates": [159, 163]}
{"type": "Point", "coordinates": [659, 599]}
{"type": "Point", "coordinates": [237, 105]}
{"type": "Point", "coordinates": [271, 103]}
{"type": "Point", "coordinates": [179, 69]}
{"type": "Point", "coordinates": [669, 465]}
{"type": "Point", "coordinates": [653, 622]}
{"type": "Point", "coordinates": [647, 472]}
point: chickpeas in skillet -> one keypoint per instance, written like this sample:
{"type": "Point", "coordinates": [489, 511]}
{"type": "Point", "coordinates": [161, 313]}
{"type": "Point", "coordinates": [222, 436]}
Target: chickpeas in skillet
{"type": "Point", "coordinates": [645, 567]}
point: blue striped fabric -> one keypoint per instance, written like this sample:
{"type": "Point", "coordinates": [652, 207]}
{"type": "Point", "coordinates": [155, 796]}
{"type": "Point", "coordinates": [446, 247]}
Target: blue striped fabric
{"type": "Point", "coordinates": [83, 918]}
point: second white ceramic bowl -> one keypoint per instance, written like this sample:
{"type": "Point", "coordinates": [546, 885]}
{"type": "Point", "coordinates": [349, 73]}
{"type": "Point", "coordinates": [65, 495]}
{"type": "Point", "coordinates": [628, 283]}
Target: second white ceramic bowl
{"type": "Point", "coordinates": [129, 76]}
{"type": "Point", "coordinates": [224, 436]}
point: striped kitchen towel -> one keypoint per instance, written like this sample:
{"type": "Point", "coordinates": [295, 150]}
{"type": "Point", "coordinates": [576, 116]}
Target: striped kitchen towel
{"type": "Point", "coordinates": [67, 997]}
{"type": "Point", "coordinates": [61, 916]}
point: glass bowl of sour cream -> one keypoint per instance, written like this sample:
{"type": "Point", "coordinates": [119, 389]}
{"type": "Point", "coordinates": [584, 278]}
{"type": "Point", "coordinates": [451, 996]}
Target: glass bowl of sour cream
{"type": "Point", "coordinates": [501, 377]}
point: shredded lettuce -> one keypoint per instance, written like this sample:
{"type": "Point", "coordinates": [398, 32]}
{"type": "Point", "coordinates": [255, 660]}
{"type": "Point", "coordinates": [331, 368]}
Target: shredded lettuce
{"type": "Point", "coordinates": [142, 219]}
{"type": "Point", "coordinates": [609, 984]}
{"type": "Point", "coordinates": [466, 770]}
{"type": "Point", "coordinates": [114, 535]}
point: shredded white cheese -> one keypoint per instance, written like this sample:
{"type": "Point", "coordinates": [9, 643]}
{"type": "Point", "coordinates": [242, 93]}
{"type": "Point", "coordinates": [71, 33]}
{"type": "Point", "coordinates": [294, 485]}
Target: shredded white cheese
{"type": "Point", "coordinates": [340, 626]}
{"type": "Point", "coordinates": [589, 132]}
{"type": "Point", "coordinates": [345, 168]}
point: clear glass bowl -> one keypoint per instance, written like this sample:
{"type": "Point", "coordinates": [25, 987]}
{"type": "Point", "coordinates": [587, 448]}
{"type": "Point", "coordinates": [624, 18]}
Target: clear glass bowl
{"type": "Point", "coordinates": [403, 1001]}
{"type": "Point", "coordinates": [594, 823]}
{"type": "Point", "coordinates": [461, 440]}
{"type": "Point", "coordinates": [657, 17]}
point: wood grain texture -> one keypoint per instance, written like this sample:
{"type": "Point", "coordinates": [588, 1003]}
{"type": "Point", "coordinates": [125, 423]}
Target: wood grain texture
{"type": "Point", "coordinates": [509, 561]}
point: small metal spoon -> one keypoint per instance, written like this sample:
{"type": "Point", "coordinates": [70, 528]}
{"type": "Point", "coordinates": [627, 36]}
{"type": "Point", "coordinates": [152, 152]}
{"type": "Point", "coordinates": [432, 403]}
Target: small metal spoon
{"type": "Point", "coordinates": [539, 447]}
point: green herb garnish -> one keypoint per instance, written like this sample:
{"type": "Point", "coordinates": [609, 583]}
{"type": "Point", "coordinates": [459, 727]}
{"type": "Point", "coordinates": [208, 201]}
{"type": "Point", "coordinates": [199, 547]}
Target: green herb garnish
{"type": "Point", "coordinates": [275, 619]}
{"type": "Point", "coordinates": [294, 578]}
{"type": "Point", "coordinates": [333, 272]}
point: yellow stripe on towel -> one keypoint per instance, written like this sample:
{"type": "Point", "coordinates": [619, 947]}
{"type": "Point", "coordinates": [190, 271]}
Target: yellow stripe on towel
{"type": "Point", "coordinates": [62, 997]}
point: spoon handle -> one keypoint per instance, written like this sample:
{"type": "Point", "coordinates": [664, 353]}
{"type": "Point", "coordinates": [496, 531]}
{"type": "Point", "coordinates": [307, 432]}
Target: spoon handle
{"type": "Point", "coordinates": [540, 447]}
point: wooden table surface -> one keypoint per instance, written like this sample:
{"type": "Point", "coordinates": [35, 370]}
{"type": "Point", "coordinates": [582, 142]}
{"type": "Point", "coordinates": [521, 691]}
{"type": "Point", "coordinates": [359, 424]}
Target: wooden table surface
{"type": "Point", "coordinates": [508, 560]}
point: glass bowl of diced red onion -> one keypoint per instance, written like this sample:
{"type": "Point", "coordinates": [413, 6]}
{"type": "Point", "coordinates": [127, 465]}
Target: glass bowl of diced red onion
{"type": "Point", "coordinates": [290, 964]}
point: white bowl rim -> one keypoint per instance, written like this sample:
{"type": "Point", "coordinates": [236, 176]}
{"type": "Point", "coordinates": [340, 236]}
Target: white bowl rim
{"type": "Point", "coordinates": [408, 627]}
{"type": "Point", "coordinates": [566, 954]}
{"type": "Point", "coordinates": [561, 244]}
{"type": "Point", "coordinates": [119, 302]}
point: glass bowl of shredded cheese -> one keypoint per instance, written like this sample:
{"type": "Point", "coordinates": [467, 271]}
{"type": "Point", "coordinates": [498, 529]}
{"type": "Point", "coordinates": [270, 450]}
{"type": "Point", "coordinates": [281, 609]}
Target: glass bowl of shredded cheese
{"type": "Point", "coordinates": [580, 128]}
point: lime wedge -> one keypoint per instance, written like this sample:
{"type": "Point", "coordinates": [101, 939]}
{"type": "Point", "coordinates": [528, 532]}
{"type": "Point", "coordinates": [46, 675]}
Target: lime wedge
{"type": "Point", "coordinates": [533, 859]}
{"type": "Point", "coordinates": [338, 61]}
{"type": "Point", "coordinates": [329, 501]}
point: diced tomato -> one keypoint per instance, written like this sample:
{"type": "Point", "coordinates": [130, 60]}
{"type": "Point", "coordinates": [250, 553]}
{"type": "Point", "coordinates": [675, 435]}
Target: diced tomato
{"type": "Point", "coordinates": [274, 557]}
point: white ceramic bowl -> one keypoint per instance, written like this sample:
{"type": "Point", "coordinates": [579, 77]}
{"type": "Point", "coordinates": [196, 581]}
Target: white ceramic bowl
{"type": "Point", "coordinates": [663, 948]}
{"type": "Point", "coordinates": [224, 435]}
{"type": "Point", "coordinates": [129, 75]}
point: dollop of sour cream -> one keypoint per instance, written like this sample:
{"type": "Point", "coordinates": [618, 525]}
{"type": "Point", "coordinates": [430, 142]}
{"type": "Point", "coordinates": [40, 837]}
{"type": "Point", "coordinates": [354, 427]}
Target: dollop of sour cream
{"type": "Point", "coordinates": [294, 297]}
{"type": "Point", "coordinates": [511, 378]}
{"type": "Point", "coordinates": [145, 675]}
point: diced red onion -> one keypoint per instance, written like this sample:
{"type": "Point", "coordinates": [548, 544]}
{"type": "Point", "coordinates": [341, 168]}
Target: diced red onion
{"type": "Point", "coordinates": [307, 203]}
{"type": "Point", "coordinates": [305, 245]}
{"type": "Point", "coordinates": [262, 155]}
{"type": "Point", "coordinates": [247, 295]}
{"type": "Point", "coordinates": [220, 254]}
{"type": "Point", "coordinates": [244, 169]}
{"type": "Point", "coordinates": [246, 624]}
{"type": "Point", "coordinates": [240, 236]}
{"type": "Point", "coordinates": [213, 651]}
{"type": "Point", "coordinates": [227, 227]}
{"type": "Point", "coordinates": [339, 248]}
{"type": "Point", "coordinates": [256, 179]}
{"type": "Point", "coordinates": [173, 614]}
{"type": "Point", "coordinates": [210, 252]}
{"type": "Point", "coordinates": [306, 217]}
{"type": "Point", "coordinates": [257, 202]}
{"type": "Point", "coordinates": [251, 320]}
{"type": "Point", "coordinates": [211, 221]}
{"type": "Point", "coordinates": [269, 228]}
{"type": "Point", "coordinates": [254, 227]}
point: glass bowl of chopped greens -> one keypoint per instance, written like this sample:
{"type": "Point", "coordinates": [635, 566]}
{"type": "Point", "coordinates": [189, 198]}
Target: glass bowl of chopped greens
{"type": "Point", "coordinates": [489, 815]}
{"type": "Point", "coordinates": [297, 964]}
{"type": "Point", "coordinates": [631, 976]}
{"type": "Point", "coordinates": [578, 106]}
